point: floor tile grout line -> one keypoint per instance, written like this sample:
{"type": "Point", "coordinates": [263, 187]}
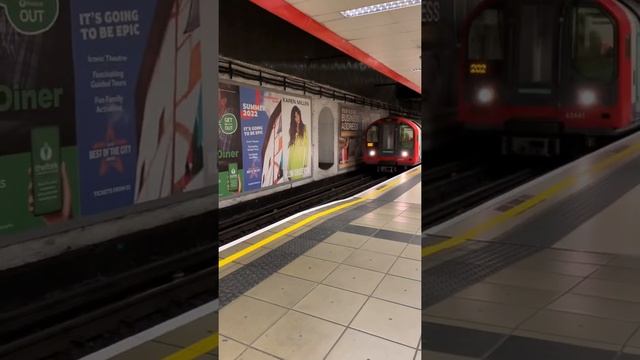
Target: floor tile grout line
{"type": "Point", "coordinates": [349, 326]}
{"type": "Point", "coordinates": [289, 309]}
{"type": "Point", "coordinates": [369, 296]}
{"type": "Point", "coordinates": [265, 331]}
{"type": "Point", "coordinates": [332, 271]}
{"type": "Point", "coordinates": [318, 283]}
{"type": "Point", "coordinates": [394, 264]}
{"type": "Point", "coordinates": [631, 336]}
{"type": "Point", "coordinates": [554, 299]}
{"type": "Point", "coordinates": [518, 327]}
{"type": "Point", "coordinates": [545, 307]}
{"type": "Point", "coordinates": [258, 350]}
{"type": "Point", "coordinates": [550, 302]}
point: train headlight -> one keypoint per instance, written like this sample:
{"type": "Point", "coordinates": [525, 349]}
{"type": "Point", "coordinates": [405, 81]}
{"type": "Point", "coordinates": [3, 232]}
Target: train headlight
{"type": "Point", "coordinates": [587, 97]}
{"type": "Point", "coordinates": [372, 153]}
{"type": "Point", "coordinates": [405, 153]}
{"type": "Point", "coordinates": [486, 95]}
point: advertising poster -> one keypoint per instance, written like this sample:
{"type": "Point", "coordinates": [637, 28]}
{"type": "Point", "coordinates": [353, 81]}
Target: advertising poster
{"type": "Point", "coordinates": [169, 104]}
{"type": "Point", "coordinates": [230, 169]}
{"type": "Point", "coordinates": [101, 107]}
{"type": "Point", "coordinates": [272, 143]}
{"type": "Point", "coordinates": [254, 117]}
{"type": "Point", "coordinates": [139, 102]}
{"type": "Point", "coordinates": [297, 136]}
{"type": "Point", "coordinates": [38, 170]}
{"type": "Point", "coordinates": [349, 142]}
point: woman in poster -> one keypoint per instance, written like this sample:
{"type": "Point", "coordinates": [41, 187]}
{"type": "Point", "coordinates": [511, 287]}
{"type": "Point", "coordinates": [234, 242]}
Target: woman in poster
{"type": "Point", "coordinates": [298, 145]}
{"type": "Point", "coordinates": [273, 150]}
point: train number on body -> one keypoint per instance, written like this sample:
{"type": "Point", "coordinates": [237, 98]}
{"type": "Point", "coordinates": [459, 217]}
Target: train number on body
{"type": "Point", "coordinates": [478, 69]}
{"type": "Point", "coordinates": [575, 115]}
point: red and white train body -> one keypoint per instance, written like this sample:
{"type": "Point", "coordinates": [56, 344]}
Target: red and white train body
{"type": "Point", "coordinates": [537, 70]}
{"type": "Point", "coordinates": [393, 142]}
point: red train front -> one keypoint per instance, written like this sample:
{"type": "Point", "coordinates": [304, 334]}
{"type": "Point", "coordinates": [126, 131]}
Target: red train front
{"type": "Point", "coordinates": [393, 142]}
{"type": "Point", "coordinates": [537, 71]}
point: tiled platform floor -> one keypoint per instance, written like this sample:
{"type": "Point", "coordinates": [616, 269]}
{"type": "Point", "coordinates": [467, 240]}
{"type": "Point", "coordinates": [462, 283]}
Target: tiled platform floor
{"type": "Point", "coordinates": [555, 297]}
{"type": "Point", "coordinates": [349, 297]}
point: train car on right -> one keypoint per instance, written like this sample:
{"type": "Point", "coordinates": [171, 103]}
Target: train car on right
{"type": "Point", "coordinates": [550, 75]}
{"type": "Point", "coordinates": [392, 143]}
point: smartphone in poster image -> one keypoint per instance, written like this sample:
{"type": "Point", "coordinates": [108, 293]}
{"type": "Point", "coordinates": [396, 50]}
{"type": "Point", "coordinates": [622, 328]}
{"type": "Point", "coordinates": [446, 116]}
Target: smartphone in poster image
{"type": "Point", "coordinates": [233, 180]}
{"type": "Point", "coordinates": [45, 170]}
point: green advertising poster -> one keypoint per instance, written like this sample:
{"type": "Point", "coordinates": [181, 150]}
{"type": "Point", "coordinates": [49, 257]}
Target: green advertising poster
{"type": "Point", "coordinates": [230, 170]}
{"type": "Point", "coordinates": [31, 17]}
{"type": "Point", "coordinates": [46, 170]}
{"type": "Point", "coordinates": [17, 208]}
{"type": "Point", "coordinates": [38, 157]}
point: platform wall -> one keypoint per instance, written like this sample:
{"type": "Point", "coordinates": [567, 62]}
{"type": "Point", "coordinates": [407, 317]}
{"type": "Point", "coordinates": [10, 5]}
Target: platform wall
{"type": "Point", "coordinates": [334, 130]}
{"type": "Point", "coordinates": [102, 111]}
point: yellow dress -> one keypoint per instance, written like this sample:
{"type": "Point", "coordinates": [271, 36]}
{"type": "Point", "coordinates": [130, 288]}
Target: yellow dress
{"type": "Point", "coordinates": [298, 157]}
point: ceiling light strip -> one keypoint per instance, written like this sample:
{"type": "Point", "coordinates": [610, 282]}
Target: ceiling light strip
{"type": "Point", "coordinates": [380, 8]}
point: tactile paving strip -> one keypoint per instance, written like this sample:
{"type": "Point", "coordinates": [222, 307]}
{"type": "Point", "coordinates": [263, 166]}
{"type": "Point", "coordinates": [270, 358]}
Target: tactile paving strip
{"type": "Point", "coordinates": [449, 277]}
{"type": "Point", "coordinates": [480, 344]}
{"type": "Point", "coordinates": [242, 280]}
{"type": "Point", "coordinates": [250, 275]}
{"type": "Point", "coordinates": [453, 275]}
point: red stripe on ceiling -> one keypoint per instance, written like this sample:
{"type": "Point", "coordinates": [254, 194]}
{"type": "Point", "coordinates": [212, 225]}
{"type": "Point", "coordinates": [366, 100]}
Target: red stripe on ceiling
{"type": "Point", "coordinates": [288, 12]}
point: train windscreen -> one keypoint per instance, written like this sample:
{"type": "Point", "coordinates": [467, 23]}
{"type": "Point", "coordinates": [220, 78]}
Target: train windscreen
{"type": "Point", "coordinates": [406, 138]}
{"type": "Point", "coordinates": [594, 48]}
{"type": "Point", "coordinates": [372, 134]}
{"type": "Point", "coordinates": [486, 36]}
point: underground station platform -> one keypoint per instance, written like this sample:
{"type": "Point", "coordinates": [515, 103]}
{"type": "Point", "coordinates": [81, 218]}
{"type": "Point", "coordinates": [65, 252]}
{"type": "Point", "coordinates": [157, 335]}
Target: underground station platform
{"type": "Point", "coordinates": [338, 281]}
{"type": "Point", "coordinates": [341, 281]}
{"type": "Point", "coordinates": [546, 271]}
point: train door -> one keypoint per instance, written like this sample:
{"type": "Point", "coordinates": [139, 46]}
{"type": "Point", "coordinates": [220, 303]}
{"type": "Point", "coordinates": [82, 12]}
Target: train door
{"type": "Point", "coordinates": [388, 145]}
{"type": "Point", "coordinates": [533, 78]}
{"type": "Point", "coordinates": [533, 70]}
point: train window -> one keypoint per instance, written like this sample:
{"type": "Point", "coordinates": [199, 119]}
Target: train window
{"type": "Point", "coordinates": [536, 37]}
{"type": "Point", "coordinates": [486, 36]}
{"type": "Point", "coordinates": [388, 137]}
{"type": "Point", "coordinates": [594, 46]}
{"type": "Point", "coordinates": [372, 134]}
{"type": "Point", "coordinates": [406, 137]}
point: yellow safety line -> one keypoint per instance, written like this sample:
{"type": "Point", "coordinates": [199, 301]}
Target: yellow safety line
{"type": "Point", "coordinates": [207, 344]}
{"type": "Point", "coordinates": [231, 258]}
{"type": "Point", "coordinates": [195, 350]}
{"type": "Point", "coordinates": [281, 233]}
{"type": "Point", "coordinates": [608, 162]}
{"type": "Point", "coordinates": [499, 219]}
{"type": "Point", "coordinates": [550, 192]}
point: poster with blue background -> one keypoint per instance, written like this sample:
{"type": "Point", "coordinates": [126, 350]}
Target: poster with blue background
{"type": "Point", "coordinates": [108, 42]}
{"type": "Point", "coordinates": [253, 120]}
